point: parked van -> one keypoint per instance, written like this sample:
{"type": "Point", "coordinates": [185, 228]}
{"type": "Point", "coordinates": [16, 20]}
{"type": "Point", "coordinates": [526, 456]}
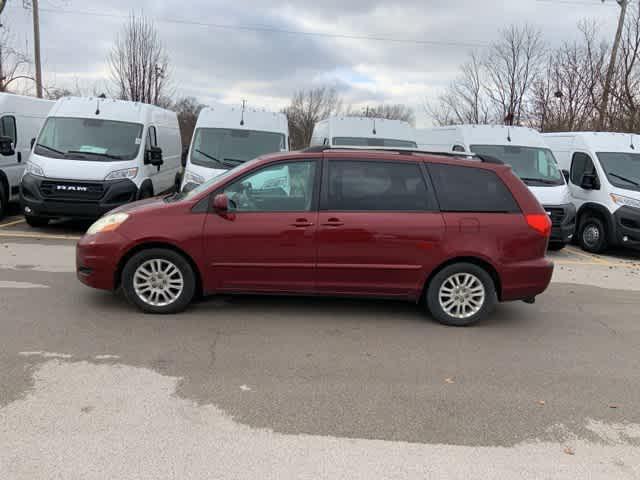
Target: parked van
{"type": "Point", "coordinates": [226, 137]}
{"type": "Point", "coordinates": [20, 120]}
{"type": "Point", "coordinates": [529, 156]}
{"type": "Point", "coordinates": [604, 180]}
{"type": "Point", "coordinates": [94, 154]}
{"type": "Point", "coordinates": [363, 132]}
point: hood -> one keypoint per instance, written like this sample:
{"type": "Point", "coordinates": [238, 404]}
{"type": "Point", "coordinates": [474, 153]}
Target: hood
{"type": "Point", "coordinates": [146, 205]}
{"type": "Point", "coordinates": [67, 169]}
{"type": "Point", "coordinates": [558, 195]}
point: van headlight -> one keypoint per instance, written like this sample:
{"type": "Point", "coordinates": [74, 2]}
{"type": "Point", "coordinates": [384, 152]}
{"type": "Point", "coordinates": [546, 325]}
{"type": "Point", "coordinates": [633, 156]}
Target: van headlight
{"type": "Point", "coordinates": [108, 223]}
{"type": "Point", "coordinates": [34, 169]}
{"type": "Point", "coordinates": [192, 178]}
{"type": "Point", "coordinates": [626, 201]}
{"type": "Point", "coordinates": [123, 174]}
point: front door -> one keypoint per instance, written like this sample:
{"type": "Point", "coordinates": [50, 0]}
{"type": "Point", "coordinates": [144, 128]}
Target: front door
{"type": "Point", "coordinates": [266, 243]}
{"type": "Point", "coordinates": [581, 165]}
{"type": "Point", "coordinates": [11, 165]}
{"type": "Point", "coordinates": [378, 230]}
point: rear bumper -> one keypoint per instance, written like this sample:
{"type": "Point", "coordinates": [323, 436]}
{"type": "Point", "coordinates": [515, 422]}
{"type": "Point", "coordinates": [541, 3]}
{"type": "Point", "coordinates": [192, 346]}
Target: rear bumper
{"type": "Point", "coordinates": [75, 204]}
{"type": "Point", "coordinates": [627, 226]}
{"type": "Point", "coordinates": [97, 259]}
{"type": "Point", "coordinates": [525, 280]}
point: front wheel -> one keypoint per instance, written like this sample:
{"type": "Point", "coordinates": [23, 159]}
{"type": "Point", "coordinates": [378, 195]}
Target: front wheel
{"type": "Point", "coordinates": [461, 294]}
{"type": "Point", "coordinates": [556, 246]}
{"type": "Point", "coordinates": [36, 222]}
{"type": "Point", "coordinates": [159, 281]}
{"type": "Point", "coordinates": [593, 235]}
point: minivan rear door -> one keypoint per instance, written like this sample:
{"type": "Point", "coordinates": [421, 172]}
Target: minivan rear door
{"type": "Point", "coordinates": [379, 229]}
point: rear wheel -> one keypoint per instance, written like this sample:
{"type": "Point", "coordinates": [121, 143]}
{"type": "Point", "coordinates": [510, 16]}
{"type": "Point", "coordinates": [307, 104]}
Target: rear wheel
{"type": "Point", "coordinates": [159, 281]}
{"type": "Point", "coordinates": [461, 294]}
{"type": "Point", "coordinates": [36, 221]}
{"type": "Point", "coordinates": [593, 235]}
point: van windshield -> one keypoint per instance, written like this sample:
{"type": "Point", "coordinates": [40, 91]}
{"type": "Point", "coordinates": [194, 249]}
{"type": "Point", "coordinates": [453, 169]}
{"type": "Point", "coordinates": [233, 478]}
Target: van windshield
{"type": "Point", "coordinates": [372, 142]}
{"type": "Point", "coordinates": [89, 139]}
{"type": "Point", "coordinates": [536, 167]}
{"type": "Point", "coordinates": [622, 169]}
{"type": "Point", "coordinates": [226, 147]}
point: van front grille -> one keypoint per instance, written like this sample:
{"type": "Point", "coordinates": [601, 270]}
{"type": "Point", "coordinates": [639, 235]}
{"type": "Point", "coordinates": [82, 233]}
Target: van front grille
{"type": "Point", "coordinates": [71, 190]}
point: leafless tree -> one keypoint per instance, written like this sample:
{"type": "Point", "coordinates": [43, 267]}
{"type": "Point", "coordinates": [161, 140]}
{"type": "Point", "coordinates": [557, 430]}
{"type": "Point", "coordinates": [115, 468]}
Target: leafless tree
{"type": "Point", "coordinates": [306, 109]}
{"type": "Point", "coordinates": [396, 111]}
{"type": "Point", "coordinates": [14, 64]}
{"type": "Point", "coordinates": [188, 109]}
{"type": "Point", "coordinates": [139, 63]}
{"type": "Point", "coordinates": [512, 66]}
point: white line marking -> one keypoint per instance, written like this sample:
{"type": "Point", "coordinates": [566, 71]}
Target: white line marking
{"type": "Point", "coordinates": [10, 224]}
{"type": "Point", "coordinates": [7, 284]}
{"type": "Point", "coordinates": [46, 354]}
{"type": "Point", "coordinates": [107, 357]}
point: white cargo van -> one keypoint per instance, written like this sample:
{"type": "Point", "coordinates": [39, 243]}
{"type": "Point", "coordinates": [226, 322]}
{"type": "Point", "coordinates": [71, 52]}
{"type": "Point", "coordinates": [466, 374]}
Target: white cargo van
{"type": "Point", "coordinates": [604, 180]}
{"type": "Point", "coordinates": [227, 136]}
{"type": "Point", "coordinates": [94, 154]}
{"type": "Point", "coordinates": [20, 120]}
{"type": "Point", "coordinates": [529, 156]}
{"type": "Point", "coordinates": [338, 131]}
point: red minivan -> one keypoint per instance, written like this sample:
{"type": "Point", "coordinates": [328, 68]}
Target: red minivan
{"type": "Point", "coordinates": [455, 234]}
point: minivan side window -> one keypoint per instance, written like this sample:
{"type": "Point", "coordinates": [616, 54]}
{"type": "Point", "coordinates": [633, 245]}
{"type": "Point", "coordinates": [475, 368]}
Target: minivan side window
{"type": "Point", "coordinates": [468, 189]}
{"type": "Point", "coordinates": [376, 186]}
{"type": "Point", "coordinates": [581, 164]}
{"type": "Point", "coordinates": [8, 128]}
{"type": "Point", "coordinates": [282, 187]}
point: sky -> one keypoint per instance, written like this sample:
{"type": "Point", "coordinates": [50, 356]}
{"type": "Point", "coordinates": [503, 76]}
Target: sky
{"type": "Point", "coordinates": [404, 51]}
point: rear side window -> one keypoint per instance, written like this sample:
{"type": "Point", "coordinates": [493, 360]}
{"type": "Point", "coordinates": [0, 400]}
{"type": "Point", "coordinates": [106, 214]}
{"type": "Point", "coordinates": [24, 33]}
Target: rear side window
{"type": "Point", "coordinates": [466, 189]}
{"type": "Point", "coordinates": [8, 128]}
{"type": "Point", "coordinates": [376, 186]}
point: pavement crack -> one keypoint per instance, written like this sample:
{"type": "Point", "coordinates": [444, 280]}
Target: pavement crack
{"type": "Point", "coordinates": [212, 351]}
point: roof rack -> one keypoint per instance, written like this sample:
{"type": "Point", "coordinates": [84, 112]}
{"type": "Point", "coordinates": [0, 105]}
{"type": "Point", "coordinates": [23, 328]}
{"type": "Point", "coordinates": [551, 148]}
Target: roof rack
{"type": "Point", "coordinates": [405, 151]}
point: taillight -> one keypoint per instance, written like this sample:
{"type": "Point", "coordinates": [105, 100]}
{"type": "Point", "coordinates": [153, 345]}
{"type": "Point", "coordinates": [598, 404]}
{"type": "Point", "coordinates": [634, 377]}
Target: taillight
{"type": "Point", "coordinates": [540, 222]}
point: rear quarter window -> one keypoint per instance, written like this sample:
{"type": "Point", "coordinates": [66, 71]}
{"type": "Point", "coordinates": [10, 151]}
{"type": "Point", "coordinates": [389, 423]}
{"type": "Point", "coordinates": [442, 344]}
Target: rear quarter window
{"type": "Point", "coordinates": [467, 189]}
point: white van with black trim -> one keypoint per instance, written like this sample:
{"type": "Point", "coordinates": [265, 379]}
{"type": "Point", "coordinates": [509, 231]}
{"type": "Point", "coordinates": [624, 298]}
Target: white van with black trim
{"type": "Point", "coordinates": [530, 158]}
{"type": "Point", "coordinates": [347, 131]}
{"type": "Point", "coordinates": [94, 154]}
{"type": "Point", "coordinates": [20, 120]}
{"type": "Point", "coordinates": [604, 179]}
{"type": "Point", "coordinates": [227, 136]}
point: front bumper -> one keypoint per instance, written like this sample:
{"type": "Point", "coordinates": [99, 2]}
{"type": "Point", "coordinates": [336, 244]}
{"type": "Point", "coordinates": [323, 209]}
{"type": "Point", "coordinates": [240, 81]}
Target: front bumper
{"type": "Point", "coordinates": [97, 259]}
{"type": "Point", "coordinates": [71, 198]}
{"type": "Point", "coordinates": [627, 226]}
{"type": "Point", "coordinates": [563, 222]}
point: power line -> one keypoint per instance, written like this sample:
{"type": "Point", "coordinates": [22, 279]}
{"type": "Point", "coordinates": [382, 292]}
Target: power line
{"type": "Point", "coordinates": [268, 29]}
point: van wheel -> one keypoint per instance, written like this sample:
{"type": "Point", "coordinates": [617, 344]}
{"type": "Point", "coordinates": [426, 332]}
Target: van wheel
{"type": "Point", "coordinates": [593, 235]}
{"type": "Point", "coordinates": [461, 294]}
{"type": "Point", "coordinates": [556, 246]}
{"type": "Point", "coordinates": [145, 192]}
{"type": "Point", "coordinates": [178, 182]}
{"type": "Point", "coordinates": [36, 222]}
{"type": "Point", "coordinates": [3, 201]}
{"type": "Point", "coordinates": [158, 281]}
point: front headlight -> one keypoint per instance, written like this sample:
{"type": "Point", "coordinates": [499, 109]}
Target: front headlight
{"type": "Point", "coordinates": [34, 169]}
{"type": "Point", "coordinates": [192, 178]}
{"type": "Point", "coordinates": [108, 223]}
{"type": "Point", "coordinates": [626, 201]}
{"type": "Point", "coordinates": [122, 174]}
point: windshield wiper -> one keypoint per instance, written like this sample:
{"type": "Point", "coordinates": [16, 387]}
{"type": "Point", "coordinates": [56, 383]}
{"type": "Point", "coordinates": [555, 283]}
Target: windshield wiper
{"type": "Point", "coordinates": [544, 181]}
{"type": "Point", "coordinates": [210, 157]}
{"type": "Point", "coordinates": [51, 149]}
{"type": "Point", "coordinates": [108, 155]}
{"type": "Point", "coordinates": [625, 179]}
{"type": "Point", "coordinates": [235, 161]}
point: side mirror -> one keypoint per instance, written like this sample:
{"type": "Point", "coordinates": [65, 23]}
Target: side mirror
{"type": "Point", "coordinates": [565, 173]}
{"type": "Point", "coordinates": [220, 204]}
{"type": "Point", "coordinates": [33, 142]}
{"type": "Point", "coordinates": [153, 156]}
{"type": "Point", "coordinates": [185, 154]}
{"type": "Point", "coordinates": [589, 182]}
{"type": "Point", "coordinates": [6, 146]}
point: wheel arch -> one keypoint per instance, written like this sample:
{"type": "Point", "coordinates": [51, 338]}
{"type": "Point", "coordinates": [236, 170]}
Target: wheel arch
{"type": "Point", "coordinates": [162, 245]}
{"type": "Point", "coordinates": [484, 264]}
{"type": "Point", "coordinates": [147, 184]}
{"type": "Point", "coordinates": [599, 210]}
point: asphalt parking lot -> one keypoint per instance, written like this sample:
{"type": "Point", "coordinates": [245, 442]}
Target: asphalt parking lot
{"type": "Point", "coordinates": [252, 387]}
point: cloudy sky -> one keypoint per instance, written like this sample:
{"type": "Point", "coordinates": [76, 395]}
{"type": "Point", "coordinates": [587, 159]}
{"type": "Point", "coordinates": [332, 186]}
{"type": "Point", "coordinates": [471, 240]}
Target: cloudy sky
{"type": "Point", "coordinates": [213, 62]}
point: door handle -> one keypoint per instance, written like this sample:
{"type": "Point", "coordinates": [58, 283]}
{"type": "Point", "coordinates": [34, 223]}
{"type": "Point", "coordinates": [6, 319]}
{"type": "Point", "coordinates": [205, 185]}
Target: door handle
{"type": "Point", "coordinates": [333, 222]}
{"type": "Point", "coordinates": [301, 223]}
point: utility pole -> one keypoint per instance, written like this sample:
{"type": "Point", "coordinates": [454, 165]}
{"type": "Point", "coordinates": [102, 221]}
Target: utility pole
{"type": "Point", "coordinates": [36, 46]}
{"type": "Point", "coordinates": [612, 64]}
{"type": "Point", "coordinates": [3, 3]}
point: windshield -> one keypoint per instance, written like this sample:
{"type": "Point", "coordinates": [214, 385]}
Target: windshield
{"type": "Point", "coordinates": [226, 148]}
{"type": "Point", "coordinates": [89, 139]}
{"type": "Point", "coordinates": [372, 142]}
{"type": "Point", "coordinates": [535, 166]}
{"type": "Point", "coordinates": [622, 169]}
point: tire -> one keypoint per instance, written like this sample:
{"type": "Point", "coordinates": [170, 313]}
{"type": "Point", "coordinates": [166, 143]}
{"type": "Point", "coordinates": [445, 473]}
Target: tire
{"type": "Point", "coordinates": [4, 200]}
{"type": "Point", "coordinates": [593, 235]}
{"type": "Point", "coordinates": [145, 192]}
{"type": "Point", "coordinates": [177, 182]}
{"type": "Point", "coordinates": [479, 280]}
{"type": "Point", "coordinates": [36, 222]}
{"type": "Point", "coordinates": [142, 265]}
{"type": "Point", "coordinates": [556, 246]}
